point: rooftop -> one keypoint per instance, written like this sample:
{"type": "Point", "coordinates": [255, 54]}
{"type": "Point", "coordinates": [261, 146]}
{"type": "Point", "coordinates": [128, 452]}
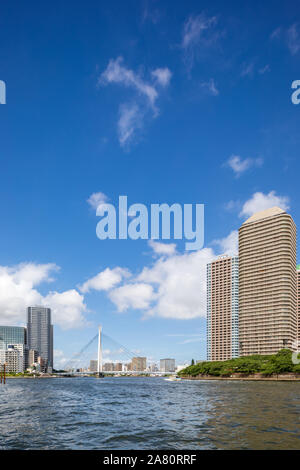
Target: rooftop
{"type": "Point", "coordinates": [264, 214]}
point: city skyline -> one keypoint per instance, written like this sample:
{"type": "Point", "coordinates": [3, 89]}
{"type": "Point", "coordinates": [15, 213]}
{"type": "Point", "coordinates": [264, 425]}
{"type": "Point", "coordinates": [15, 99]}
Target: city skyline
{"type": "Point", "coordinates": [179, 106]}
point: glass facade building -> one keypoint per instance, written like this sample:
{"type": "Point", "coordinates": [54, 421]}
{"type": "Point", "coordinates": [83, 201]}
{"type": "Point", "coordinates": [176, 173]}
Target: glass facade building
{"type": "Point", "coordinates": [40, 333]}
{"type": "Point", "coordinates": [12, 335]}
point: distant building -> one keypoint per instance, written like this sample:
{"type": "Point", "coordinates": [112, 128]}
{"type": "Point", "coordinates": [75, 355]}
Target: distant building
{"type": "Point", "coordinates": [139, 364]}
{"type": "Point", "coordinates": [118, 367]}
{"type": "Point", "coordinates": [93, 365]}
{"type": "Point", "coordinates": [32, 357]}
{"type": "Point", "coordinates": [12, 359]}
{"type": "Point", "coordinates": [153, 367]}
{"type": "Point", "coordinates": [40, 334]}
{"type": "Point", "coordinates": [223, 308]}
{"type": "Point", "coordinates": [108, 367]}
{"type": "Point", "coordinates": [167, 365]}
{"type": "Point", "coordinates": [43, 363]}
{"type": "Point", "coordinates": [12, 335]}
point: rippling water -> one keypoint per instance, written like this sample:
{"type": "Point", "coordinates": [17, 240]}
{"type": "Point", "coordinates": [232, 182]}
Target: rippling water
{"type": "Point", "coordinates": [148, 413]}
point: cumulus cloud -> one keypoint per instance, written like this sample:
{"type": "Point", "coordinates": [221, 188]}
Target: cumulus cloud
{"type": "Point", "coordinates": [105, 280]}
{"type": "Point", "coordinates": [137, 296]}
{"type": "Point", "coordinates": [97, 199]}
{"type": "Point", "coordinates": [173, 286]}
{"type": "Point", "coordinates": [260, 201]}
{"type": "Point", "coordinates": [239, 166]}
{"type": "Point", "coordinates": [229, 244]}
{"type": "Point", "coordinates": [146, 93]}
{"type": "Point", "coordinates": [162, 248]}
{"type": "Point", "coordinates": [67, 308]}
{"type": "Point", "coordinates": [18, 290]}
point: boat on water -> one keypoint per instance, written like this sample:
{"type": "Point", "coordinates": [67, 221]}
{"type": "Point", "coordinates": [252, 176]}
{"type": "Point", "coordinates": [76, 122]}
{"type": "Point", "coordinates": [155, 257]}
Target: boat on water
{"type": "Point", "coordinates": [173, 379]}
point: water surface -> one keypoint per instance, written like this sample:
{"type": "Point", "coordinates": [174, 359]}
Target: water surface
{"type": "Point", "coordinates": [148, 413]}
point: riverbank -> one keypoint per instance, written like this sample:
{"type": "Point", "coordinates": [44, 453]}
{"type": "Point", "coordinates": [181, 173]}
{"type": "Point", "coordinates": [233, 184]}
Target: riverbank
{"type": "Point", "coordinates": [254, 377]}
{"type": "Point", "coordinates": [281, 366]}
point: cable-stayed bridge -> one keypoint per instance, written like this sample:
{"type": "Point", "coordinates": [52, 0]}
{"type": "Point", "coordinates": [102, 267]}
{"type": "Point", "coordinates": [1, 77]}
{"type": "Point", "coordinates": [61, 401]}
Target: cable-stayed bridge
{"type": "Point", "coordinates": [122, 352]}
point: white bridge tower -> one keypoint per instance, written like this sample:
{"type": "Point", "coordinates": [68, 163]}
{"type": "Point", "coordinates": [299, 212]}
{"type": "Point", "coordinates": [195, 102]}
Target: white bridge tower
{"type": "Point", "coordinates": [99, 369]}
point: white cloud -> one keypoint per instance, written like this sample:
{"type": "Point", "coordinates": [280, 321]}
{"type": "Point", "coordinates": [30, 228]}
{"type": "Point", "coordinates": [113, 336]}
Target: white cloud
{"type": "Point", "coordinates": [162, 248]}
{"type": "Point", "coordinates": [260, 201]}
{"type": "Point", "coordinates": [136, 296]}
{"type": "Point", "coordinates": [97, 199]}
{"type": "Point", "coordinates": [131, 119]}
{"type": "Point", "coordinates": [211, 87]}
{"type": "Point", "coordinates": [132, 115]}
{"type": "Point", "coordinates": [229, 244]}
{"type": "Point", "coordinates": [293, 39]}
{"type": "Point", "coordinates": [162, 76]}
{"type": "Point", "coordinates": [174, 286]}
{"type": "Point", "coordinates": [239, 166]}
{"type": "Point", "coordinates": [18, 290]}
{"type": "Point", "coordinates": [67, 308]}
{"type": "Point", "coordinates": [59, 358]}
{"type": "Point", "coordinates": [105, 280]}
{"type": "Point", "coordinates": [116, 72]}
{"type": "Point", "coordinates": [198, 34]}
{"type": "Point", "coordinates": [194, 28]}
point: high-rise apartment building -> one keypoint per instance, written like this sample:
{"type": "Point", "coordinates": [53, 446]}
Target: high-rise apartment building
{"type": "Point", "coordinates": [298, 303]}
{"type": "Point", "coordinates": [40, 333]}
{"type": "Point", "coordinates": [267, 283]}
{"type": "Point", "coordinates": [138, 364]}
{"type": "Point", "coordinates": [167, 365]}
{"type": "Point", "coordinates": [222, 308]}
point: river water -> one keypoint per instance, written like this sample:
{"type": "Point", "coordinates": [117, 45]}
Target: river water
{"type": "Point", "coordinates": [148, 413]}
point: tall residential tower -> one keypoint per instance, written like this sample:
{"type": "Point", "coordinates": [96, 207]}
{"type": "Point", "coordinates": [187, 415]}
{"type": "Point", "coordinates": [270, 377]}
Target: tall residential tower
{"type": "Point", "coordinates": [222, 308]}
{"type": "Point", "coordinates": [267, 283]}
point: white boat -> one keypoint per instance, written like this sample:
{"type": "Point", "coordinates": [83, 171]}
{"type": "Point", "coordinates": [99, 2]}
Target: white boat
{"type": "Point", "coordinates": [173, 379]}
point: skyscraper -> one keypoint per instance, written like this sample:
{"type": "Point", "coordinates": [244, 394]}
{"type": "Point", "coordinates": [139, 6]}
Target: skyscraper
{"type": "Point", "coordinates": [298, 302]}
{"type": "Point", "coordinates": [267, 283]}
{"type": "Point", "coordinates": [40, 333]}
{"type": "Point", "coordinates": [222, 308]}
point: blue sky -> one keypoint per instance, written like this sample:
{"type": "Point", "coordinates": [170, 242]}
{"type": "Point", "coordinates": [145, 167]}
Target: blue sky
{"type": "Point", "coordinates": [157, 100]}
